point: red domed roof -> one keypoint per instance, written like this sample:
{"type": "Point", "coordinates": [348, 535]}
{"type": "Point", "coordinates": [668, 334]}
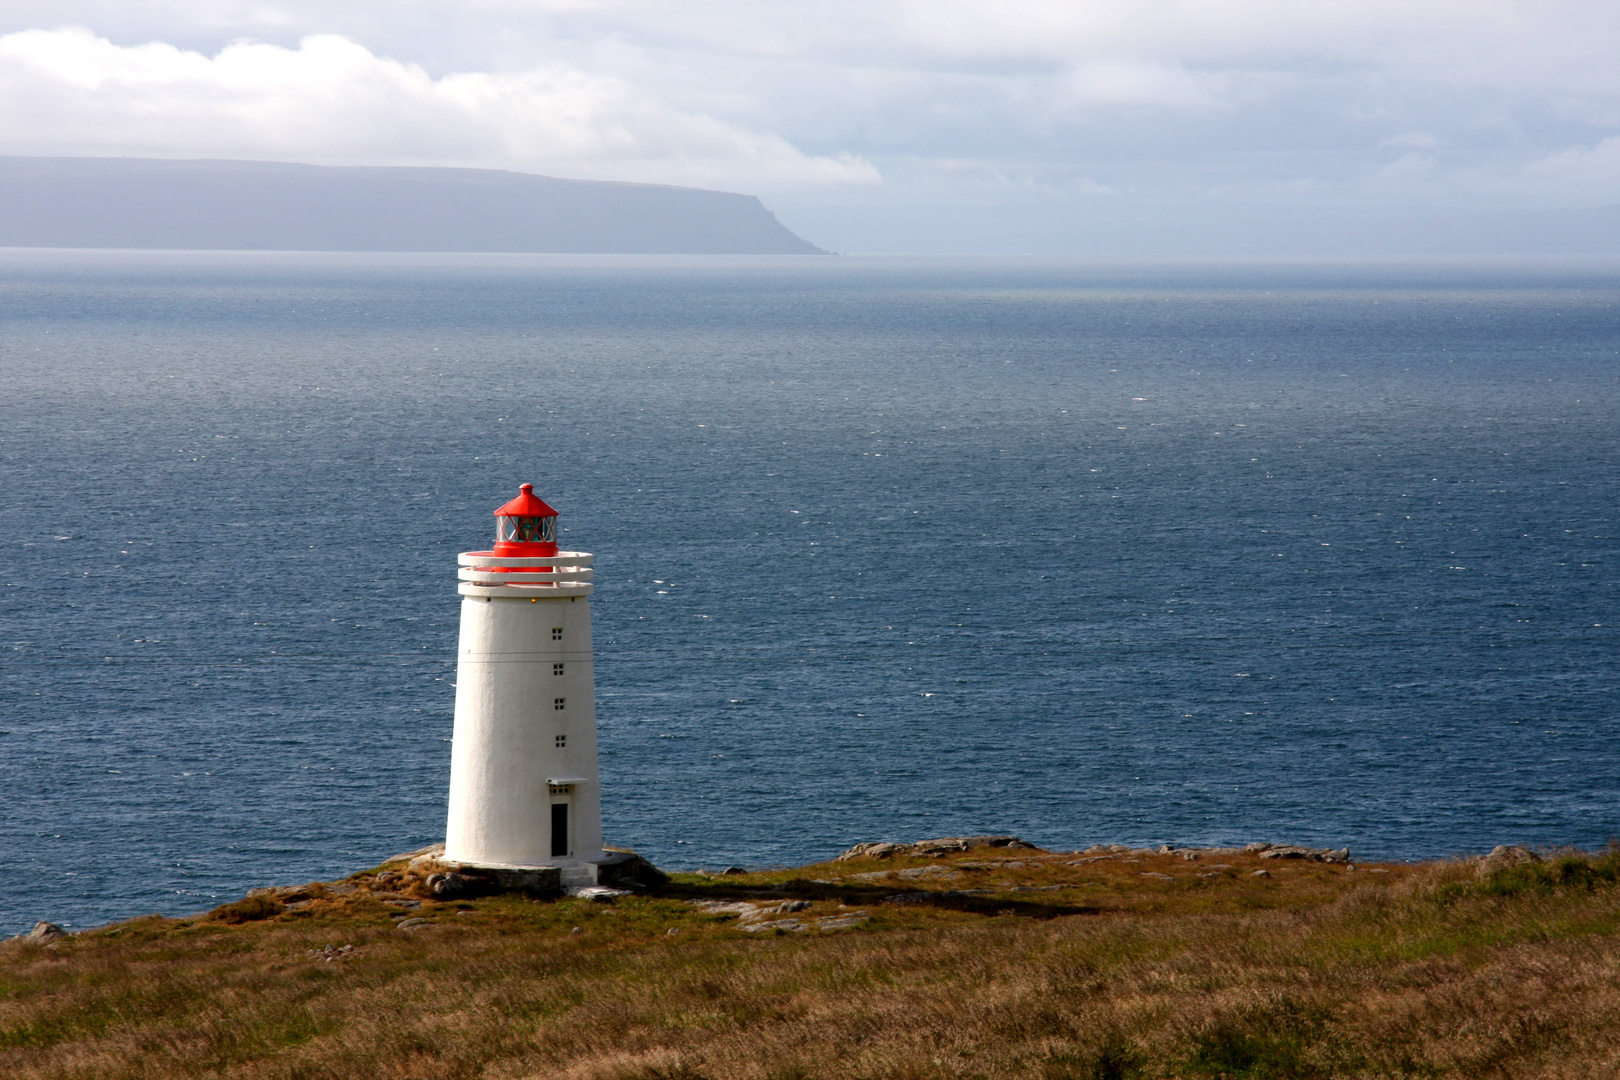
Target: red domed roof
{"type": "Point", "coordinates": [527, 504]}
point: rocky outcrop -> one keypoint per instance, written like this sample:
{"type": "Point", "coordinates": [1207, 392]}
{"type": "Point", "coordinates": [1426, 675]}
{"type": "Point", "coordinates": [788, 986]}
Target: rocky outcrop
{"type": "Point", "coordinates": [952, 844]}
{"type": "Point", "coordinates": [622, 868]}
{"type": "Point", "coordinates": [428, 875]}
{"type": "Point", "coordinates": [1289, 851]}
{"type": "Point", "coordinates": [756, 918]}
{"type": "Point", "coordinates": [406, 880]}
{"type": "Point", "coordinates": [44, 933]}
{"type": "Point", "coordinates": [1503, 857]}
{"type": "Point", "coordinates": [432, 876]}
{"type": "Point", "coordinates": [943, 846]}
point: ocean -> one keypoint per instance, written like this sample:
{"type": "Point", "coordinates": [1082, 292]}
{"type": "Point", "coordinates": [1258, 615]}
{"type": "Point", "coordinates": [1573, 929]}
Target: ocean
{"type": "Point", "coordinates": [1140, 552]}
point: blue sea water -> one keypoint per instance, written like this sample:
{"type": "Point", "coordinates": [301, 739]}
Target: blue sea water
{"type": "Point", "coordinates": [887, 549]}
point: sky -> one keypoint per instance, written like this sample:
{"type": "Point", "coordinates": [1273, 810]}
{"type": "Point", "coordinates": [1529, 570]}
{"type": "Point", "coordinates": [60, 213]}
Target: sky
{"type": "Point", "coordinates": [974, 125]}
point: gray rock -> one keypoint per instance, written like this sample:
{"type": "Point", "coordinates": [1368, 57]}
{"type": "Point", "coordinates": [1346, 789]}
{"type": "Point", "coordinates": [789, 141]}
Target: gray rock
{"type": "Point", "coordinates": [944, 845]}
{"type": "Point", "coordinates": [331, 953]}
{"type": "Point", "coordinates": [747, 912]}
{"type": "Point", "coordinates": [450, 886]}
{"type": "Point", "coordinates": [740, 908]}
{"type": "Point", "coordinates": [599, 894]}
{"type": "Point", "coordinates": [1503, 856]}
{"type": "Point", "coordinates": [873, 851]}
{"type": "Point", "coordinates": [463, 881]}
{"type": "Point", "coordinates": [624, 869]}
{"type": "Point", "coordinates": [44, 932]}
{"type": "Point", "coordinates": [1328, 855]}
{"type": "Point", "coordinates": [947, 844]}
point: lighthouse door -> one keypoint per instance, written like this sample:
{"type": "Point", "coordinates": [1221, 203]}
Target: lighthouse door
{"type": "Point", "coordinates": [559, 830]}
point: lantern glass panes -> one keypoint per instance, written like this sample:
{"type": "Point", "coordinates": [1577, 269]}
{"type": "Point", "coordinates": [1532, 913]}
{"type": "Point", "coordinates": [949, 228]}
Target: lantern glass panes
{"type": "Point", "coordinates": [527, 530]}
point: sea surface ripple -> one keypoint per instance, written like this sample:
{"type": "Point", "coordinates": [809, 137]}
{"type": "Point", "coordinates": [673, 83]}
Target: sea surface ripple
{"type": "Point", "coordinates": [887, 548]}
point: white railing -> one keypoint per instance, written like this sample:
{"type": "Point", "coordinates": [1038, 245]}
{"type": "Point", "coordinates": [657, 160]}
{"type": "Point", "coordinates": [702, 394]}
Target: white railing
{"type": "Point", "coordinates": [484, 558]}
{"type": "Point", "coordinates": [568, 573]}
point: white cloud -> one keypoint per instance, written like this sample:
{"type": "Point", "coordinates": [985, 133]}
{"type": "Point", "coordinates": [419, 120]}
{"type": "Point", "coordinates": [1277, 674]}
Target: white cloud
{"type": "Point", "coordinates": [1258, 102]}
{"type": "Point", "coordinates": [333, 101]}
{"type": "Point", "coordinates": [1597, 167]}
{"type": "Point", "coordinates": [1573, 177]}
{"type": "Point", "coordinates": [1118, 82]}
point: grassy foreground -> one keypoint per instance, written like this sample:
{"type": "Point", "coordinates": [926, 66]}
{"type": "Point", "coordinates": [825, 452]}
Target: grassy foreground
{"type": "Point", "coordinates": [1008, 964]}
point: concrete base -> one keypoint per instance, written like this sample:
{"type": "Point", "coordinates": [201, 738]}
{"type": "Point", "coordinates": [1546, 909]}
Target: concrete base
{"type": "Point", "coordinates": [578, 877]}
{"type": "Point", "coordinates": [447, 879]}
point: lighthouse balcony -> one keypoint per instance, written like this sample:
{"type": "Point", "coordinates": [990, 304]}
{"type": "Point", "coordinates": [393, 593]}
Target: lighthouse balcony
{"type": "Point", "coordinates": [565, 574]}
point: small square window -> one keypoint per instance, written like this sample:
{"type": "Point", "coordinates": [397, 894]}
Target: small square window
{"type": "Point", "coordinates": [556, 669]}
{"type": "Point", "coordinates": [556, 633]}
{"type": "Point", "coordinates": [562, 741]}
{"type": "Point", "coordinates": [558, 703]}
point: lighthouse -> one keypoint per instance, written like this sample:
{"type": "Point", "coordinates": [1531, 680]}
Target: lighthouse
{"type": "Point", "coordinates": [523, 778]}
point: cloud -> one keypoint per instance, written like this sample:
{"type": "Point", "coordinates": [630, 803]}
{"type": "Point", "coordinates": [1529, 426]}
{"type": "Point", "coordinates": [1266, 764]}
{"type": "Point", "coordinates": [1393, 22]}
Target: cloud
{"type": "Point", "coordinates": [1483, 102]}
{"type": "Point", "coordinates": [1411, 140]}
{"type": "Point", "coordinates": [1595, 167]}
{"type": "Point", "coordinates": [1119, 82]}
{"type": "Point", "coordinates": [333, 101]}
{"type": "Point", "coordinates": [1572, 177]}
{"type": "Point", "coordinates": [1575, 176]}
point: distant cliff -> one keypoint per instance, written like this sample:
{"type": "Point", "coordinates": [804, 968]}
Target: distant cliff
{"type": "Point", "coordinates": [261, 205]}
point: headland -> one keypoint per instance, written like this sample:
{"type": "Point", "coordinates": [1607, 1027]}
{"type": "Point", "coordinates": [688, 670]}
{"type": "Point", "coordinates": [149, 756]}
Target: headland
{"type": "Point", "coordinates": [961, 957]}
{"type": "Point", "coordinates": [283, 206]}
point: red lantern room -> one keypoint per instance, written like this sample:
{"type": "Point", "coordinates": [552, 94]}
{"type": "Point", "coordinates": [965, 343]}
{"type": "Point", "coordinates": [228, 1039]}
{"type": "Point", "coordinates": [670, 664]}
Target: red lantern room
{"type": "Point", "coordinates": [525, 527]}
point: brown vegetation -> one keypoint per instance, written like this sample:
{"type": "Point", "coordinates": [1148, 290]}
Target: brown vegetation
{"type": "Point", "coordinates": [1012, 964]}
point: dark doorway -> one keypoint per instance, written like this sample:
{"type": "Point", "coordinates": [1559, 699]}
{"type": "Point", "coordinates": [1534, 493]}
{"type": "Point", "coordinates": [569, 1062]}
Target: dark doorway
{"type": "Point", "coordinates": [559, 829]}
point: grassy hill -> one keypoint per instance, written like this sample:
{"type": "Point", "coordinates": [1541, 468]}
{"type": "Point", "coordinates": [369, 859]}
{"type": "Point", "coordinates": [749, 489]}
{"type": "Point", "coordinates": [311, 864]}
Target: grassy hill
{"type": "Point", "coordinates": [1029, 964]}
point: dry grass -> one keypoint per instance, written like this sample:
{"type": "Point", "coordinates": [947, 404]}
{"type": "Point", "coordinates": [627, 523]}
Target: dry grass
{"type": "Point", "coordinates": [1026, 967]}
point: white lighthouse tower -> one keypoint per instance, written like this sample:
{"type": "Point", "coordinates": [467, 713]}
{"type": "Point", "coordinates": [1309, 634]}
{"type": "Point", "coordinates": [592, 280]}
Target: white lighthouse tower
{"type": "Point", "coordinates": [523, 780]}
